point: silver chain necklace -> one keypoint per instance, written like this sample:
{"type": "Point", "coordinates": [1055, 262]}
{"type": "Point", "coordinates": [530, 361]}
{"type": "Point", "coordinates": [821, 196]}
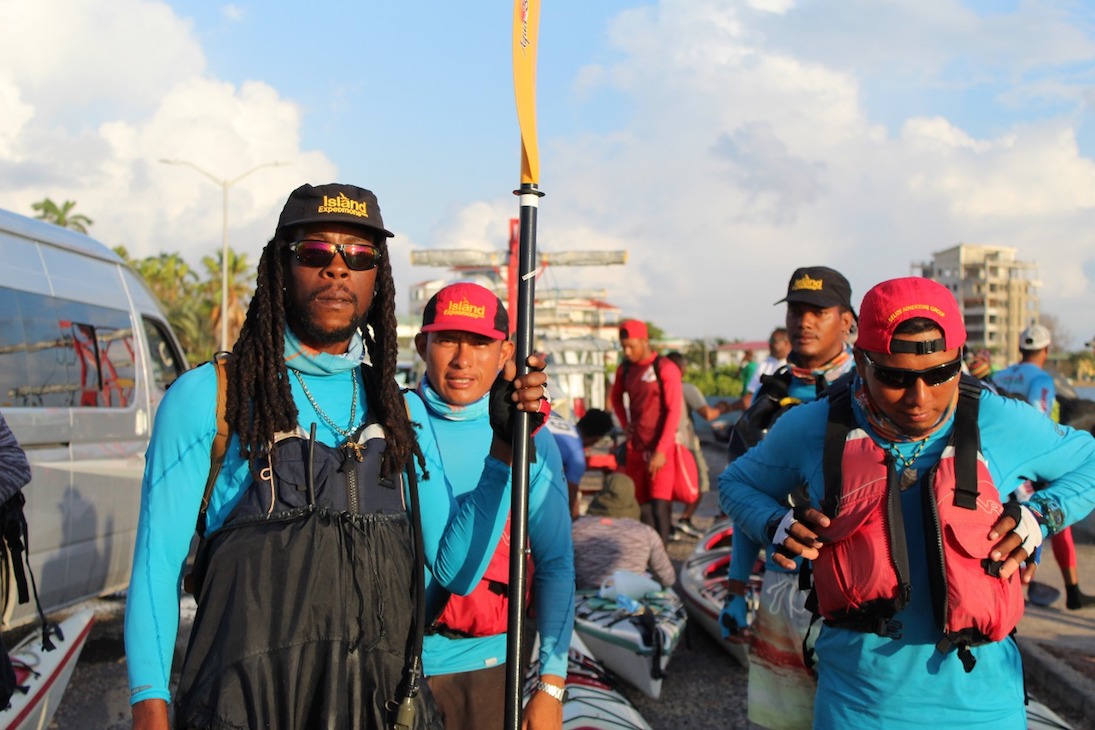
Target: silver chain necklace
{"type": "Point", "coordinates": [346, 433]}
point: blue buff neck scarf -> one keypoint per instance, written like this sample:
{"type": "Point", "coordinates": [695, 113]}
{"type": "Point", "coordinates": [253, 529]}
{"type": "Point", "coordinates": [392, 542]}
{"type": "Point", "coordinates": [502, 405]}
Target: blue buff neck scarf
{"type": "Point", "coordinates": [304, 359]}
{"type": "Point", "coordinates": [449, 412]}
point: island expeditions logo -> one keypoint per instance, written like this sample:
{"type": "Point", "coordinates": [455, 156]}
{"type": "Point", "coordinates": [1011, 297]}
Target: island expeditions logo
{"type": "Point", "coordinates": [808, 284]}
{"type": "Point", "coordinates": [344, 205]}
{"type": "Point", "coordinates": [464, 308]}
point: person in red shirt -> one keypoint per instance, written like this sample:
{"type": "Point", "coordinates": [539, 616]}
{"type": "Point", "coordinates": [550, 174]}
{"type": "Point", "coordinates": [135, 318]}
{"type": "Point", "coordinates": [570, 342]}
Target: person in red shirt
{"type": "Point", "coordinates": [652, 385]}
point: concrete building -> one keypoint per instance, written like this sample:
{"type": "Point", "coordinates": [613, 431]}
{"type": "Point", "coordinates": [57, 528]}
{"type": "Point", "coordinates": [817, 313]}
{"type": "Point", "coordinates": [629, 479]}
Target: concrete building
{"type": "Point", "coordinates": [998, 294]}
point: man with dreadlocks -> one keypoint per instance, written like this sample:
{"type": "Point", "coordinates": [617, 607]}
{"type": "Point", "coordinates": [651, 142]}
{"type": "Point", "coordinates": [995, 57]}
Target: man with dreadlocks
{"type": "Point", "coordinates": [306, 575]}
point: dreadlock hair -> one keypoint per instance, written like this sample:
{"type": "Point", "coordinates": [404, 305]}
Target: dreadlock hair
{"type": "Point", "coordinates": [386, 398]}
{"type": "Point", "coordinates": [260, 401]}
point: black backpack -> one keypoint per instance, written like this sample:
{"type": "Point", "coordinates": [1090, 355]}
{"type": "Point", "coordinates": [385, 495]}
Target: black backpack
{"type": "Point", "coordinates": [14, 545]}
{"type": "Point", "coordinates": [771, 401]}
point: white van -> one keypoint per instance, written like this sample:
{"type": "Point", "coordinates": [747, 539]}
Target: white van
{"type": "Point", "coordinates": [85, 357]}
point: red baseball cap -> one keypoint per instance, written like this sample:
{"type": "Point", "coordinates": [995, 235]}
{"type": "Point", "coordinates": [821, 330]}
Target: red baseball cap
{"type": "Point", "coordinates": [892, 302]}
{"type": "Point", "coordinates": [633, 329]}
{"type": "Point", "coordinates": [466, 307]}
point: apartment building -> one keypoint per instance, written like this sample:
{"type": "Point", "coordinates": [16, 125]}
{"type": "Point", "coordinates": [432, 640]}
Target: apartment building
{"type": "Point", "coordinates": [997, 292]}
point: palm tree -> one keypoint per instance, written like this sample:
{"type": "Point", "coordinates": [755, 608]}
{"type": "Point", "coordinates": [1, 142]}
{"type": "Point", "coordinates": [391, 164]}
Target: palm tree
{"type": "Point", "coordinates": [241, 279]}
{"type": "Point", "coordinates": [61, 215]}
{"type": "Point", "coordinates": [183, 298]}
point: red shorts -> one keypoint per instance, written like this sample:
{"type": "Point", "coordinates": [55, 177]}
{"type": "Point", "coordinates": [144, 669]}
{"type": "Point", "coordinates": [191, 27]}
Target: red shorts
{"type": "Point", "coordinates": [646, 487]}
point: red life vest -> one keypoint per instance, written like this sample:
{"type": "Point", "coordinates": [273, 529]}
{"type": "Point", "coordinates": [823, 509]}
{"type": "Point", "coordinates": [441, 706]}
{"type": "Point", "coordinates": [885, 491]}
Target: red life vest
{"type": "Point", "coordinates": [484, 611]}
{"type": "Point", "coordinates": [861, 576]}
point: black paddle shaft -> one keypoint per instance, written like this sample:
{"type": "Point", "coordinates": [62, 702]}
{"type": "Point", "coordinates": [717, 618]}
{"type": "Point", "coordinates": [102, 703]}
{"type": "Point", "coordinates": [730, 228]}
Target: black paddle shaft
{"type": "Point", "coordinates": [526, 289]}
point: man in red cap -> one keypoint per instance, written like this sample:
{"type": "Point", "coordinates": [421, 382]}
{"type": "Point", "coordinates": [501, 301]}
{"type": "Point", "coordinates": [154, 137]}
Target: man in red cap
{"type": "Point", "coordinates": [916, 552]}
{"type": "Point", "coordinates": [464, 344]}
{"type": "Point", "coordinates": [650, 417]}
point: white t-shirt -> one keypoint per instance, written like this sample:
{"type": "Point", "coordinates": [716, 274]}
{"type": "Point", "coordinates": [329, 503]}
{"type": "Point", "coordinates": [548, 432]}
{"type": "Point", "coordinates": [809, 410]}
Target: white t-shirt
{"type": "Point", "coordinates": [768, 366]}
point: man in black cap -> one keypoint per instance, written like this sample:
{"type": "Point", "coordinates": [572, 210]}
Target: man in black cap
{"type": "Point", "coordinates": [312, 463]}
{"type": "Point", "coordinates": [819, 321]}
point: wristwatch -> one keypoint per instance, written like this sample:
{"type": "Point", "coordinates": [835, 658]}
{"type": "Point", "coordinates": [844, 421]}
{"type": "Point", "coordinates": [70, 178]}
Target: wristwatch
{"type": "Point", "coordinates": [558, 693]}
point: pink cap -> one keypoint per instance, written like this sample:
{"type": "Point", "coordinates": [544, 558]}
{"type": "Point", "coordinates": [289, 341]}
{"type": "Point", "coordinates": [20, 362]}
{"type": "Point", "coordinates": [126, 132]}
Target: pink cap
{"type": "Point", "coordinates": [895, 301]}
{"type": "Point", "coordinates": [466, 307]}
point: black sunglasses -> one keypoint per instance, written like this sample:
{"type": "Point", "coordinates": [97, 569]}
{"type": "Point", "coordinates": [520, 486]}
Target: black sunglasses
{"type": "Point", "coordinates": [317, 254]}
{"type": "Point", "coordinates": [903, 378]}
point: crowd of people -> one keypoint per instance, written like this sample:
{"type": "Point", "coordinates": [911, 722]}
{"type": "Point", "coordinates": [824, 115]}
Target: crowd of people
{"type": "Point", "coordinates": [353, 565]}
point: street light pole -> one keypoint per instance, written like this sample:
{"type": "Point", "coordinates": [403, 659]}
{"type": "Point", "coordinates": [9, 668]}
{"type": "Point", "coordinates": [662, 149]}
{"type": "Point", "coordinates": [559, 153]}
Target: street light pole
{"type": "Point", "coordinates": [224, 183]}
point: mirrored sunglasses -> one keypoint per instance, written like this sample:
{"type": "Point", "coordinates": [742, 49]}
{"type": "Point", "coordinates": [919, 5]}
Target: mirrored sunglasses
{"type": "Point", "coordinates": [903, 378]}
{"type": "Point", "coordinates": [317, 254]}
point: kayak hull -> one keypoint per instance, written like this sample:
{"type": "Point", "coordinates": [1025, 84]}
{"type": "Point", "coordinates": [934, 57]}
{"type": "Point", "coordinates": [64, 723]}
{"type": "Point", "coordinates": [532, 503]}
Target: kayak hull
{"type": "Point", "coordinates": [635, 648]}
{"type": "Point", "coordinates": [45, 674]}
{"type": "Point", "coordinates": [703, 581]}
{"type": "Point", "coordinates": [593, 701]}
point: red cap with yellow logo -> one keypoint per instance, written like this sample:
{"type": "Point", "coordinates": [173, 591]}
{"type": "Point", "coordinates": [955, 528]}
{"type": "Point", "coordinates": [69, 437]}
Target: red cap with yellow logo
{"type": "Point", "coordinates": [466, 307]}
{"type": "Point", "coordinates": [892, 302]}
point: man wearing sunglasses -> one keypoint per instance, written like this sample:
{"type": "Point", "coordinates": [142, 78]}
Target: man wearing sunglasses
{"type": "Point", "coordinates": [464, 343]}
{"type": "Point", "coordinates": [311, 463]}
{"type": "Point", "coordinates": [819, 319]}
{"type": "Point", "coordinates": [916, 563]}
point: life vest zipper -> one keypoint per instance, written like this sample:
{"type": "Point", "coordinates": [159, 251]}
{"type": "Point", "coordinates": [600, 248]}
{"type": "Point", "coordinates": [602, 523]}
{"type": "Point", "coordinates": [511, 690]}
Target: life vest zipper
{"type": "Point", "coordinates": [937, 555]}
{"type": "Point", "coordinates": [351, 485]}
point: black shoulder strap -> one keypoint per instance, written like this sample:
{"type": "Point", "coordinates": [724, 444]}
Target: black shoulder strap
{"type": "Point", "coordinates": [838, 426]}
{"type": "Point", "coordinates": [967, 442]}
{"type": "Point", "coordinates": [777, 384]}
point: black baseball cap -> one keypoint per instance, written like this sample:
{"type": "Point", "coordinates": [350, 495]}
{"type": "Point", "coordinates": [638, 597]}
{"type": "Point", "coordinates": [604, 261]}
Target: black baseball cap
{"type": "Point", "coordinates": [819, 286]}
{"type": "Point", "coordinates": [332, 203]}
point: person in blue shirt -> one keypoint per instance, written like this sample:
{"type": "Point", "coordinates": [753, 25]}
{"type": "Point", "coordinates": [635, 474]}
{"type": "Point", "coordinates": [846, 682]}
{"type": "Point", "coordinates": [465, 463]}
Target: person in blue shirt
{"type": "Point", "coordinates": [464, 345]}
{"type": "Point", "coordinates": [306, 576]}
{"type": "Point", "coordinates": [573, 439]}
{"type": "Point", "coordinates": [1029, 381]}
{"type": "Point", "coordinates": [895, 590]}
{"type": "Point", "coordinates": [781, 687]}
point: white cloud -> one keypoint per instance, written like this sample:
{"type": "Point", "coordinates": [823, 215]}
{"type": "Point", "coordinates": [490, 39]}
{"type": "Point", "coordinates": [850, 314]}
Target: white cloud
{"type": "Point", "coordinates": [750, 140]}
{"type": "Point", "coordinates": [109, 104]}
{"type": "Point", "coordinates": [744, 160]}
{"type": "Point", "coordinates": [17, 114]}
{"type": "Point", "coordinates": [233, 12]}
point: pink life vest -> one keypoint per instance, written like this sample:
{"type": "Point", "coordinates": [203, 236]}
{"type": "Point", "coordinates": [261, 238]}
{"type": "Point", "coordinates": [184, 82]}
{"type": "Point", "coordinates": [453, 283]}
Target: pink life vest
{"type": "Point", "coordinates": [484, 611]}
{"type": "Point", "coordinates": [861, 576]}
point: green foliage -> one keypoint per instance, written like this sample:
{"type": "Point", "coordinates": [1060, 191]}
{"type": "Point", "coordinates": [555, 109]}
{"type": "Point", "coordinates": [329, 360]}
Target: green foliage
{"type": "Point", "coordinates": [724, 380]}
{"type": "Point", "coordinates": [61, 215]}
{"type": "Point", "coordinates": [192, 304]}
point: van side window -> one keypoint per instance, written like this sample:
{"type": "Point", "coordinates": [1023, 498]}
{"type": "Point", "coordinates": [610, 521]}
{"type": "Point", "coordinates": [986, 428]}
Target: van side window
{"type": "Point", "coordinates": [13, 351]}
{"type": "Point", "coordinates": [166, 363]}
{"type": "Point", "coordinates": [56, 353]}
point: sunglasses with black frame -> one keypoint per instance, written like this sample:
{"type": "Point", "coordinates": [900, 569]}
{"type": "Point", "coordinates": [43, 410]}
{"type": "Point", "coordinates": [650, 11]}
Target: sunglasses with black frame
{"type": "Point", "coordinates": [317, 254]}
{"type": "Point", "coordinates": [903, 378]}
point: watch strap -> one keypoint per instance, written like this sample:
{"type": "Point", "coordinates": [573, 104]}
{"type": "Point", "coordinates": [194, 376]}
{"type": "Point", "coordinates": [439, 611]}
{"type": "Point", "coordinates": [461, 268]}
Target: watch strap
{"type": "Point", "coordinates": [558, 693]}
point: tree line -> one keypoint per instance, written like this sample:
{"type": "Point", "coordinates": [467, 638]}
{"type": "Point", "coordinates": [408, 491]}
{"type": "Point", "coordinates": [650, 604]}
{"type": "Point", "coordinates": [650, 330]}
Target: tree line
{"type": "Point", "coordinates": [192, 301]}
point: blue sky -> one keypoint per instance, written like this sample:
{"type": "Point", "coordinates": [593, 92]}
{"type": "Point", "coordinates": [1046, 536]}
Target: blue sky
{"type": "Point", "coordinates": [721, 142]}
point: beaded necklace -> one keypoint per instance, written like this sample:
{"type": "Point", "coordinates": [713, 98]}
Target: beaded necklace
{"type": "Point", "coordinates": [908, 474]}
{"type": "Point", "coordinates": [351, 445]}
